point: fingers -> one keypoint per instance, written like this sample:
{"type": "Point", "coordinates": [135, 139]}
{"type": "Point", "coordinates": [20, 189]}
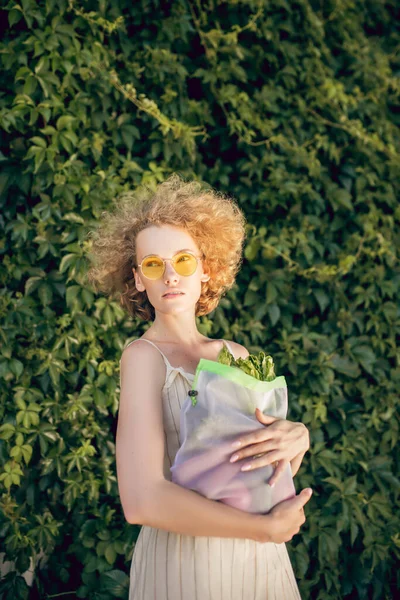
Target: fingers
{"type": "Point", "coordinates": [278, 472]}
{"type": "Point", "coordinates": [265, 419]}
{"type": "Point", "coordinates": [255, 437]}
{"type": "Point", "coordinates": [267, 459]}
{"type": "Point", "coordinates": [289, 516]}
{"type": "Point", "coordinates": [301, 499]}
{"type": "Point", "coordinates": [298, 521]}
{"type": "Point", "coordinates": [260, 448]}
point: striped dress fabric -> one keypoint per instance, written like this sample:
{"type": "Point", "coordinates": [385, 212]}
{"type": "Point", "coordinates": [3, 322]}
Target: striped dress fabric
{"type": "Point", "coordinates": [171, 566]}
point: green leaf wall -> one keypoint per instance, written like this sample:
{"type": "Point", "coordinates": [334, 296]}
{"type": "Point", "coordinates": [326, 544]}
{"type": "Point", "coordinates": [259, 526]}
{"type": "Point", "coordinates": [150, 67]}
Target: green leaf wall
{"type": "Point", "coordinates": [293, 109]}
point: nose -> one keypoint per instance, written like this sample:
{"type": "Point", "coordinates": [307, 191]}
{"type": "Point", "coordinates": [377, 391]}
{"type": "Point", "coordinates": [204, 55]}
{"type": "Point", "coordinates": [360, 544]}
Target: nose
{"type": "Point", "coordinates": [170, 274]}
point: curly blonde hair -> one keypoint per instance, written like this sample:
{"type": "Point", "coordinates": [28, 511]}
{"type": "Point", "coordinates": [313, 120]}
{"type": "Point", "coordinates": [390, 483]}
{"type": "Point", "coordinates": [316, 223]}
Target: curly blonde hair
{"type": "Point", "coordinates": [213, 220]}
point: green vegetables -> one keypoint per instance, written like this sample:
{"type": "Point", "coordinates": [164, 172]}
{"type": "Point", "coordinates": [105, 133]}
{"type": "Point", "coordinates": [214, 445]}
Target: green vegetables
{"type": "Point", "coordinates": [261, 367]}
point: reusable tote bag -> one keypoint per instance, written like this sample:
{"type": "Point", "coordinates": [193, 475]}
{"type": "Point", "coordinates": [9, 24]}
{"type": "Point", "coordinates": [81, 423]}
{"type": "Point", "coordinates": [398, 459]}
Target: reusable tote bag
{"type": "Point", "coordinates": [218, 410]}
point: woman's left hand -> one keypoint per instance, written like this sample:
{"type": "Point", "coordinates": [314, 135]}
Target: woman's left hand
{"type": "Point", "coordinates": [280, 441]}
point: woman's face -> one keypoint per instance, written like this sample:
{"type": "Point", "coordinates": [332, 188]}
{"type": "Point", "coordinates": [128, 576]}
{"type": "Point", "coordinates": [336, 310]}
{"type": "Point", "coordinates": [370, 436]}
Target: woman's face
{"type": "Point", "coordinates": [165, 241]}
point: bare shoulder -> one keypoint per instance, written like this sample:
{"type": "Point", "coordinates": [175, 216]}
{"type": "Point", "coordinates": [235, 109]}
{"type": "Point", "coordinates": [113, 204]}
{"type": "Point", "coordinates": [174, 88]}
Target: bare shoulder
{"type": "Point", "coordinates": [140, 359]}
{"type": "Point", "coordinates": [239, 350]}
{"type": "Point", "coordinates": [137, 350]}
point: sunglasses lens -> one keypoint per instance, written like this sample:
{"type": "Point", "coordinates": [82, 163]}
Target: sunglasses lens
{"type": "Point", "coordinates": [152, 267]}
{"type": "Point", "coordinates": [185, 264]}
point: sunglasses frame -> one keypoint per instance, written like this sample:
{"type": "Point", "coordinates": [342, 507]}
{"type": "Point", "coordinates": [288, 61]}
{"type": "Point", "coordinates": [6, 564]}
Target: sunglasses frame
{"type": "Point", "coordinates": [197, 257]}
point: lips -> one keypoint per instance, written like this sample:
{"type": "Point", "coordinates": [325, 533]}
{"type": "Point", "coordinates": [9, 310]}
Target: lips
{"type": "Point", "coordinates": [173, 293]}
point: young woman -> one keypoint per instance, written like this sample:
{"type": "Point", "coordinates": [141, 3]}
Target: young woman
{"type": "Point", "coordinates": [170, 255]}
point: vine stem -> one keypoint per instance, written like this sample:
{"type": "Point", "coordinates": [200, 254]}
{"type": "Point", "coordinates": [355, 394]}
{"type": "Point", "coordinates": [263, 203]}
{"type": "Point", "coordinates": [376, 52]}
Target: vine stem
{"type": "Point", "coordinates": [61, 594]}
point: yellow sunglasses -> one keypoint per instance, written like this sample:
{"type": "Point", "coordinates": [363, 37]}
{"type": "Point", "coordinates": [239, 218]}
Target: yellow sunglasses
{"type": "Point", "coordinates": [184, 262]}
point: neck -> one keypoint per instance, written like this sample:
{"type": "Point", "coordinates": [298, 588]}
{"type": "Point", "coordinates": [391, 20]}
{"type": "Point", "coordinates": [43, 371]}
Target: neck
{"type": "Point", "coordinates": [176, 329]}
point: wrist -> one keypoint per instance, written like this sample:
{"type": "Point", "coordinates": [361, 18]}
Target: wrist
{"type": "Point", "coordinates": [262, 528]}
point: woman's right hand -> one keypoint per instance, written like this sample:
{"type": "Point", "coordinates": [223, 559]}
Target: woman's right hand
{"type": "Point", "coordinates": [285, 519]}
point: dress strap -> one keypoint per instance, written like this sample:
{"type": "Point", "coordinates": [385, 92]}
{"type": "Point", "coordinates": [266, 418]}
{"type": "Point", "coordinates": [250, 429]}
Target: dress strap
{"type": "Point", "coordinates": [167, 363]}
{"type": "Point", "coordinates": [170, 371]}
{"type": "Point", "coordinates": [229, 347]}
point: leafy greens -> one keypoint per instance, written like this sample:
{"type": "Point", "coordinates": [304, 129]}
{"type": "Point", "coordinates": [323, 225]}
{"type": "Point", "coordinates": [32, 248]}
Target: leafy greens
{"type": "Point", "coordinates": [261, 367]}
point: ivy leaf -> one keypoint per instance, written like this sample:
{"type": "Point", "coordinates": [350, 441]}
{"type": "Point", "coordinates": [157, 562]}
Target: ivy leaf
{"type": "Point", "coordinates": [65, 121]}
{"type": "Point", "coordinates": [110, 554]}
{"type": "Point", "coordinates": [344, 199]}
{"type": "Point", "coordinates": [345, 365]}
{"type": "Point", "coordinates": [67, 261]}
{"type": "Point", "coordinates": [365, 356]}
{"type": "Point", "coordinates": [354, 529]}
{"type": "Point", "coordinates": [38, 141]}
{"type": "Point", "coordinates": [274, 313]}
{"type": "Point", "coordinates": [322, 299]}
{"type": "Point", "coordinates": [14, 16]}
{"type": "Point", "coordinates": [115, 582]}
{"type": "Point", "coordinates": [32, 284]}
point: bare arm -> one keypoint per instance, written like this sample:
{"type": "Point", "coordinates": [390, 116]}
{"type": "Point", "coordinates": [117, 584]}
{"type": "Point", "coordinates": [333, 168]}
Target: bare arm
{"type": "Point", "coordinates": [147, 497]}
{"type": "Point", "coordinates": [179, 510]}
